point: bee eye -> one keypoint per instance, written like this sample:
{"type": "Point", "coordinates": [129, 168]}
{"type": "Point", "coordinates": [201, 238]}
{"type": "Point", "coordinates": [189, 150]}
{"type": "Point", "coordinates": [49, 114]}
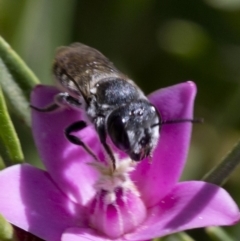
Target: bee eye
{"type": "Point", "coordinates": [117, 132]}
{"type": "Point", "coordinates": [143, 141]}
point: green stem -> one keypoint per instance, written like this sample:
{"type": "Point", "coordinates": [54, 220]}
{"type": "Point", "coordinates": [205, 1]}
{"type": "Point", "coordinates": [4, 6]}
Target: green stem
{"type": "Point", "coordinates": [18, 69]}
{"type": "Point", "coordinates": [2, 165]}
{"type": "Point", "coordinates": [182, 236]}
{"type": "Point", "coordinates": [10, 147]}
{"type": "Point", "coordinates": [218, 234]}
{"type": "Point", "coordinates": [19, 103]}
{"type": "Point", "coordinates": [6, 230]}
{"type": "Point", "coordinates": [220, 173]}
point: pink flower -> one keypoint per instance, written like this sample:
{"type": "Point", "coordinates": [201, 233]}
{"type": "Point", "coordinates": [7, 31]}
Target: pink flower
{"type": "Point", "coordinates": [79, 199]}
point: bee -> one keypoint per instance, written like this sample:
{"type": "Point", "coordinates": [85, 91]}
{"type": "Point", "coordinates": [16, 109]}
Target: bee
{"type": "Point", "coordinates": [113, 103]}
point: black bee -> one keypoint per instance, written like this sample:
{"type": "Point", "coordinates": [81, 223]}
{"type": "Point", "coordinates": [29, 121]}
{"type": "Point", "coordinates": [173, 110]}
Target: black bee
{"type": "Point", "coordinates": [113, 103]}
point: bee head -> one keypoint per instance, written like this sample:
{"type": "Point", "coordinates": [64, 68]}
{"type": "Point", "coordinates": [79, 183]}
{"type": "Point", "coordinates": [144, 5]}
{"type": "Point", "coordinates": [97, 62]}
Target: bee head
{"type": "Point", "coordinates": [134, 128]}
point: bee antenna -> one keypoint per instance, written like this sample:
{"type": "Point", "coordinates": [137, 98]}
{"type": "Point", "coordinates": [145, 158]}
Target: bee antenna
{"type": "Point", "coordinates": [164, 122]}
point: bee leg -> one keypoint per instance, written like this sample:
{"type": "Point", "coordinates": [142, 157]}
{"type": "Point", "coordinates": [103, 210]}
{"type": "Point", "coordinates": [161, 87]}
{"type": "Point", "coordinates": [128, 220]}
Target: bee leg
{"type": "Point", "coordinates": [77, 126]}
{"type": "Point", "coordinates": [60, 100]}
{"type": "Point", "coordinates": [99, 124]}
{"type": "Point", "coordinates": [49, 108]}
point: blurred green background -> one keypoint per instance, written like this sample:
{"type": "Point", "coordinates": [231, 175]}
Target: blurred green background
{"type": "Point", "coordinates": [157, 43]}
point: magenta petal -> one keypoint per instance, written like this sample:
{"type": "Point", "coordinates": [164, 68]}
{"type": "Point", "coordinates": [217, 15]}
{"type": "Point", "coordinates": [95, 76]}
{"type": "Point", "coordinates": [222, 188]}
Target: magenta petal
{"type": "Point", "coordinates": [83, 234]}
{"type": "Point", "coordinates": [65, 162]}
{"type": "Point", "coordinates": [86, 234]}
{"type": "Point", "coordinates": [190, 205]}
{"type": "Point", "coordinates": [174, 103]}
{"type": "Point", "coordinates": [30, 200]}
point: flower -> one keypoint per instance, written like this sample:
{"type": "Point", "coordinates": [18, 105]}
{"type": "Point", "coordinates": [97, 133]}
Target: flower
{"type": "Point", "coordinates": [77, 198]}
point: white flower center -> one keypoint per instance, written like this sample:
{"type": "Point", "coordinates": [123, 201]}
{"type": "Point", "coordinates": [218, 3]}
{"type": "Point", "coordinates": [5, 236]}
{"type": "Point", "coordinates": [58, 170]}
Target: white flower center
{"type": "Point", "coordinates": [110, 180]}
{"type": "Point", "coordinates": [117, 207]}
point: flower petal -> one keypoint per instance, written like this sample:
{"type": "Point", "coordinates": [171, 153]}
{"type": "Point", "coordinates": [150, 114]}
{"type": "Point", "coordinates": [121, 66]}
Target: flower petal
{"type": "Point", "coordinates": [30, 200]}
{"type": "Point", "coordinates": [86, 234]}
{"type": "Point", "coordinates": [114, 218]}
{"type": "Point", "coordinates": [174, 103]}
{"type": "Point", "coordinates": [65, 162]}
{"type": "Point", "coordinates": [83, 234]}
{"type": "Point", "coordinates": [190, 205]}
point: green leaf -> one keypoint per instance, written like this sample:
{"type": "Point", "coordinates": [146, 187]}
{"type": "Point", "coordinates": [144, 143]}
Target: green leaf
{"type": "Point", "coordinates": [20, 72]}
{"type": "Point", "coordinates": [14, 94]}
{"type": "Point", "coordinates": [218, 234]}
{"type": "Point", "coordinates": [182, 236]}
{"type": "Point", "coordinates": [10, 145]}
{"type": "Point", "coordinates": [2, 165]}
{"type": "Point", "coordinates": [16, 80]}
{"type": "Point", "coordinates": [6, 230]}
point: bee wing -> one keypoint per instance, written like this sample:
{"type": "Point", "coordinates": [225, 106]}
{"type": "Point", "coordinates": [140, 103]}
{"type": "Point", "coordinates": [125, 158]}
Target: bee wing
{"type": "Point", "coordinates": [78, 67]}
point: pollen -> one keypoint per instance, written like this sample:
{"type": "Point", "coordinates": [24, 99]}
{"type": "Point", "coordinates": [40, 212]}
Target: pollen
{"type": "Point", "coordinates": [110, 180]}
